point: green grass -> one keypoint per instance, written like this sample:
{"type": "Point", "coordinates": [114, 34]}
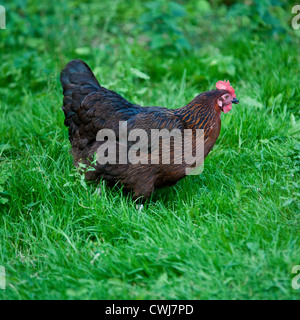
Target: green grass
{"type": "Point", "coordinates": [230, 233]}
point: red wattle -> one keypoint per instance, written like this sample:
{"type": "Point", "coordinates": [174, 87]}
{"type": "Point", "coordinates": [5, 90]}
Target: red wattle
{"type": "Point", "coordinates": [227, 108]}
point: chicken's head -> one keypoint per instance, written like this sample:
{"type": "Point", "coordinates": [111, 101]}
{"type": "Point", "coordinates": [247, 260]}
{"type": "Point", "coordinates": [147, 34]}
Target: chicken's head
{"type": "Point", "coordinates": [226, 100]}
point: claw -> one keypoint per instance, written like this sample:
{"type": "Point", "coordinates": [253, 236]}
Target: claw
{"type": "Point", "coordinates": [139, 207]}
{"type": "Point", "coordinates": [99, 191]}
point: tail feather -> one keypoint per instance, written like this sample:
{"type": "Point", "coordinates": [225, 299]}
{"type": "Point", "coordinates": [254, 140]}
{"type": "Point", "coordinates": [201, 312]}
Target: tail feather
{"type": "Point", "coordinates": [77, 81]}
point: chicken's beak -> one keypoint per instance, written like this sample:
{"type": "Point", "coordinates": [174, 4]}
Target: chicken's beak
{"type": "Point", "coordinates": [235, 100]}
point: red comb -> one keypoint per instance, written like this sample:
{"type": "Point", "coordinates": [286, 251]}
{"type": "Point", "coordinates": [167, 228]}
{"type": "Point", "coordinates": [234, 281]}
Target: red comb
{"type": "Point", "coordinates": [225, 85]}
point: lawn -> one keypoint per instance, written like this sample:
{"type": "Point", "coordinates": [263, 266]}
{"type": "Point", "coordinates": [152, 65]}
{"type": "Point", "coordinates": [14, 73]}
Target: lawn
{"type": "Point", "coordinates": [231, 232]}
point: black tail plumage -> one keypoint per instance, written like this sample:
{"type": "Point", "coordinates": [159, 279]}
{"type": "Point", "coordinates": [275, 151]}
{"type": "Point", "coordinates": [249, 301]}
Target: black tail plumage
{"type": "Point", "coordinates": [77, 81]}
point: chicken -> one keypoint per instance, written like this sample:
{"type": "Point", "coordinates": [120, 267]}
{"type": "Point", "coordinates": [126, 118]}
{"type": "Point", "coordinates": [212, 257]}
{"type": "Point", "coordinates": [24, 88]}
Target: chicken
{"type": "Point", "coordinates": [93, 113]}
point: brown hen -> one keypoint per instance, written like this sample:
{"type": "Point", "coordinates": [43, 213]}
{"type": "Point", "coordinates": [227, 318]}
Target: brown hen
{"type": "Point", "coordinates": [90, 108]}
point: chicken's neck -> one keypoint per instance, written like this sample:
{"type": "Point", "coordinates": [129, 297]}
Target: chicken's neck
{"type": "Point", "coordinates": [201, 113]}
